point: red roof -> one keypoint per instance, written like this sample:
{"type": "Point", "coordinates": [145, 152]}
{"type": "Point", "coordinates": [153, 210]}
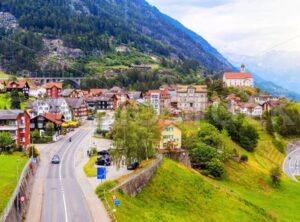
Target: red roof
{"type": "Point", "coordinates": [19, 84]}
{"type": "Point", "coordinates": [237, 75]}
{"type": "Point", "coordinates": [50, 85]}
{"type": "Point", "coordinates": [164, 123]}
{"type": "Point", "coordinates": [163, 93]}
{"type": "Point", "coordinates": [55, 118]}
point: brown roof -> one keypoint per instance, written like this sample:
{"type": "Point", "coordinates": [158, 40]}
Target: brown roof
{"type": "Point", "coordinates": [237, 75]}
{"type": "Point", "coordinates": [198, 88]}
{"type": "Point", "coordinates": [55, 118]}
{"type": "Point", "coordinates": [20, 84]}
{"type": "Point", "coordinates": [233, 97]}
{"type": "Point", "coordinates": [97, 92]}
{"type": "Point", "coordinates": [50, 85]}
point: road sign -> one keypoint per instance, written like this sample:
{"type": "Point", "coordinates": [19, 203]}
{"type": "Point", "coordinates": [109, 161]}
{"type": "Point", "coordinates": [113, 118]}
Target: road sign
{"type": "Point", "coordinates": [101, 173]}
{"type": "Point", "coordinates": [117, 203]}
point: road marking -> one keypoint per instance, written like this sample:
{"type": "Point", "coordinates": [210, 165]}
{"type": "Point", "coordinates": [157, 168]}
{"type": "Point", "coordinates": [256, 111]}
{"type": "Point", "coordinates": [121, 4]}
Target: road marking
{"type": "Point", "coordinates": [62, 187]}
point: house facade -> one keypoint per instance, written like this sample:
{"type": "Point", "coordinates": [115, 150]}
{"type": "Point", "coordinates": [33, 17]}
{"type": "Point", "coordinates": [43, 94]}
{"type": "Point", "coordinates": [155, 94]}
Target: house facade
{"type": "Point", "coordinates": [20, 86]}
{"type": "Point", "coordinates": [40, 122]}
{"type": "Point", "coordinates": [17, 123]}
{"type": "Point", "coordinates": [103, 102]}
{"type": "Point", "coordinates": [54, 89]}
{"type": "Point", "coordinates": [79, 108]}
{"type": "Point", "coordinates": [159, 99]}
{"type": "Point", "coordinates": [170, 136]}
{"type": "Point", "coordinates": [238, 79]}
{"type": "Point", "coordinates": [54, 106]}
{"type": "Point", "coordinates": [72, 93]}
{"type": "Point", "coordinates": [250, 109]}
{"type": "Point", "coordinates": [192, 98]}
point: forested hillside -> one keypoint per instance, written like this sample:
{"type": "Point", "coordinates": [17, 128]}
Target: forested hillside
{"type": "Point", "coordinates": [96, 27]}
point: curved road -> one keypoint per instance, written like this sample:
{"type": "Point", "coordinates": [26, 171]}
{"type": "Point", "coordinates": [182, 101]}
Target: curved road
{"type": "Point", "coordinates": [63, 199]}
{"type": "Point", "coordinates": [291, 165]}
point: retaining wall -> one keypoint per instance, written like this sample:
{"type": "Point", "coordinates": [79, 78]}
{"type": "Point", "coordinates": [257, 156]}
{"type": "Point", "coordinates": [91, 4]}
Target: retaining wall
{"type": "Point", "coordinates": [135, 184]}
{"type": "Point", "coordinates": [17, 207]}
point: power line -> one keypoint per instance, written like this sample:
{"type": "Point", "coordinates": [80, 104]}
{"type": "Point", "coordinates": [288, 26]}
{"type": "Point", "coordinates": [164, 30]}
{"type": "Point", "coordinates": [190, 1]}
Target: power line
{"type": "Point", "coordinates": [280, 44]}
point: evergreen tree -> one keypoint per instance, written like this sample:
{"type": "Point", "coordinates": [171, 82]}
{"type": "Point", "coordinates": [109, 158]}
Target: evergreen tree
{"type": "Point", "coordinates": [15, 100]}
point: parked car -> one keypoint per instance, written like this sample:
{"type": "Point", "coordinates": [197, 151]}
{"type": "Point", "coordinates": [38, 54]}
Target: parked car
{"type": "Point", "coordinates": [134, 165]}
{"type": "Point", "coordinates": [90, 118]}
{"type": "Point", "coordinates": [55, 159]}
{"type": "Point", "coordinates": [103, 153]}
{"type": "Point", "coordinates": [102, 161]}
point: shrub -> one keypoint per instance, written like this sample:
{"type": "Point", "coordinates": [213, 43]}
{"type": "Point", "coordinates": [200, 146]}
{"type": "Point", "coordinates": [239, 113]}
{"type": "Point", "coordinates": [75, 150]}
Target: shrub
{"type": "Point", "coordinates": [275, 175]}
{"type": "Point", "coordinates": [32, 150]}
{"type": "Point", "coordinates": [248, 137]}
{"type": "Point", "coordinates": [215, 168]}
{"type": "Point", "coordinates": [105, 187]}
{"type": "Point", "coordinates": [93, 151]}
{"type": "Point", "coordinates": [244, 158]}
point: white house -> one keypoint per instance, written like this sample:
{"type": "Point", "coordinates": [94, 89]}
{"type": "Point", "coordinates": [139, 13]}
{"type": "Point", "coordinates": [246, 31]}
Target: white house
{"type": "Point", "coordinates": [250, 109]}
{"type": "Point", "coordinates": [58, 105]}
{"type": "Point", "coordinates": [238, 79]}
{"type": "Point", "coordinates": [37, 92]}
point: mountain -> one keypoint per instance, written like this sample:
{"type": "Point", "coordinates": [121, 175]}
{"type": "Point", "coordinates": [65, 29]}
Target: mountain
{"type": "Point", "coordinates": [100, 25]}
{"type": "Point", "coordinates": [275, 89]}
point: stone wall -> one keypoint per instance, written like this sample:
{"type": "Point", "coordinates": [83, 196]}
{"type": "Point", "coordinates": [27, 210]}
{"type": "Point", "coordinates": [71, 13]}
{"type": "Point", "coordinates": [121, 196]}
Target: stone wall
{"type": "Point", "coordinates": [17, 207]}
{"type": "Point", "coordinates": [135, 184]}
{"type": "Point", "coordinates": [181, 156]}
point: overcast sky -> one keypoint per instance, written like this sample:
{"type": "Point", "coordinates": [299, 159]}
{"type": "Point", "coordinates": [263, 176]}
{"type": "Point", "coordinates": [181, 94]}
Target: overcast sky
{"type": "Point", "coordinates": [240, 27]}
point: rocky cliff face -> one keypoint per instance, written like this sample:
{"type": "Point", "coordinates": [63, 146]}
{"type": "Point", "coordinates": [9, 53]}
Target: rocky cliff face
{"type": "Point", "coordinates": [8, 21]}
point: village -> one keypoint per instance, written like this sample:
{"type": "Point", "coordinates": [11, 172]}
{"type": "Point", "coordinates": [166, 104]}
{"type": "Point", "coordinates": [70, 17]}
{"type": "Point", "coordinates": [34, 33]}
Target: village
{"type": "Point", "coordinates": [68, 108]}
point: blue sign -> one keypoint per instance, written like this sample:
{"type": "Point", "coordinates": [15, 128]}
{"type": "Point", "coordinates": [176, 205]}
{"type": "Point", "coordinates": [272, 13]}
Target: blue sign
{"type": "Point", "coordinates": [117, 203]}
{"type": "Point", "coordinates": [101, 173]}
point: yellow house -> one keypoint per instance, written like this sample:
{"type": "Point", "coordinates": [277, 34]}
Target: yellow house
{"type": "Point", "coordinates": [170, 135]}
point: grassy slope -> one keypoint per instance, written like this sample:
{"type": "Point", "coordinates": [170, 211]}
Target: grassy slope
{"type": "Point", "coordinates": [8, 176]}
{"type": "Point", "coordinates": [5, 101]}
{"type": "Point", "coordinates": [177, 193]}
{"type": "Point", "coordinates": [244, 194]}
{"type": "Point", "coordinates": [251, 181]}
{"type": "Point", "coordinates": [3, 75]}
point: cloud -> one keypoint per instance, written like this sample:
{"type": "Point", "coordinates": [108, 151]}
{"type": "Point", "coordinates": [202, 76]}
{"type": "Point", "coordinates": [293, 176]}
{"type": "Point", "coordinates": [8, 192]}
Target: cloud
{"type": "Point", "coordinates": [235, 26]}
{"type": "Point", "coordinates": [194, 3]}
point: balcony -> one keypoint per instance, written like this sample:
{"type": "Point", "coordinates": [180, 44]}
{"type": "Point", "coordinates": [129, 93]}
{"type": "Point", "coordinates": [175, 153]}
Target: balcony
{"type": "Point", "coordinates": [8, 127]}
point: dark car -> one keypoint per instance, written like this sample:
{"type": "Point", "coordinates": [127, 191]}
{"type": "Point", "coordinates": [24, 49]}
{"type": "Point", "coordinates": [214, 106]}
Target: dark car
{"type": "Point", "coordinates": [55, 159]}
{"type": "Point", "coordinates": [133, 165]}
{"type": "Point", "coordinates": [90, 118]}
{"type": "Point", "coordinates": [103, 153]}
{"type": "Point", "coordinates": [102, 161]}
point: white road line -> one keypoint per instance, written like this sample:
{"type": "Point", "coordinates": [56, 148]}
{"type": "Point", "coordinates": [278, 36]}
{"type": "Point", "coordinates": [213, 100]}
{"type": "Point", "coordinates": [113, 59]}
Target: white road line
{"type": "Point", "coordinates": [62, 187]}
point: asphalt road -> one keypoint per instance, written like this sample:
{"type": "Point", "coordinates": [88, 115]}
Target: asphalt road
{"type": "Point", "coordinates": [291, 165]}
{"type": "Point", "coordinates": [63, 199]}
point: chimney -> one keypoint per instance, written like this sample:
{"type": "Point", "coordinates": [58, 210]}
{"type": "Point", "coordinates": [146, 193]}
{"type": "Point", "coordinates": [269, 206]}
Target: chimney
{"type": "Point", "coordinates": [243, 68]}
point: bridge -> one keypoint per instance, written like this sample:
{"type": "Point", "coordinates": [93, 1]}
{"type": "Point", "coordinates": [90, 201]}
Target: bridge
{"type": "Point", "coordinates": [75, 81]}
